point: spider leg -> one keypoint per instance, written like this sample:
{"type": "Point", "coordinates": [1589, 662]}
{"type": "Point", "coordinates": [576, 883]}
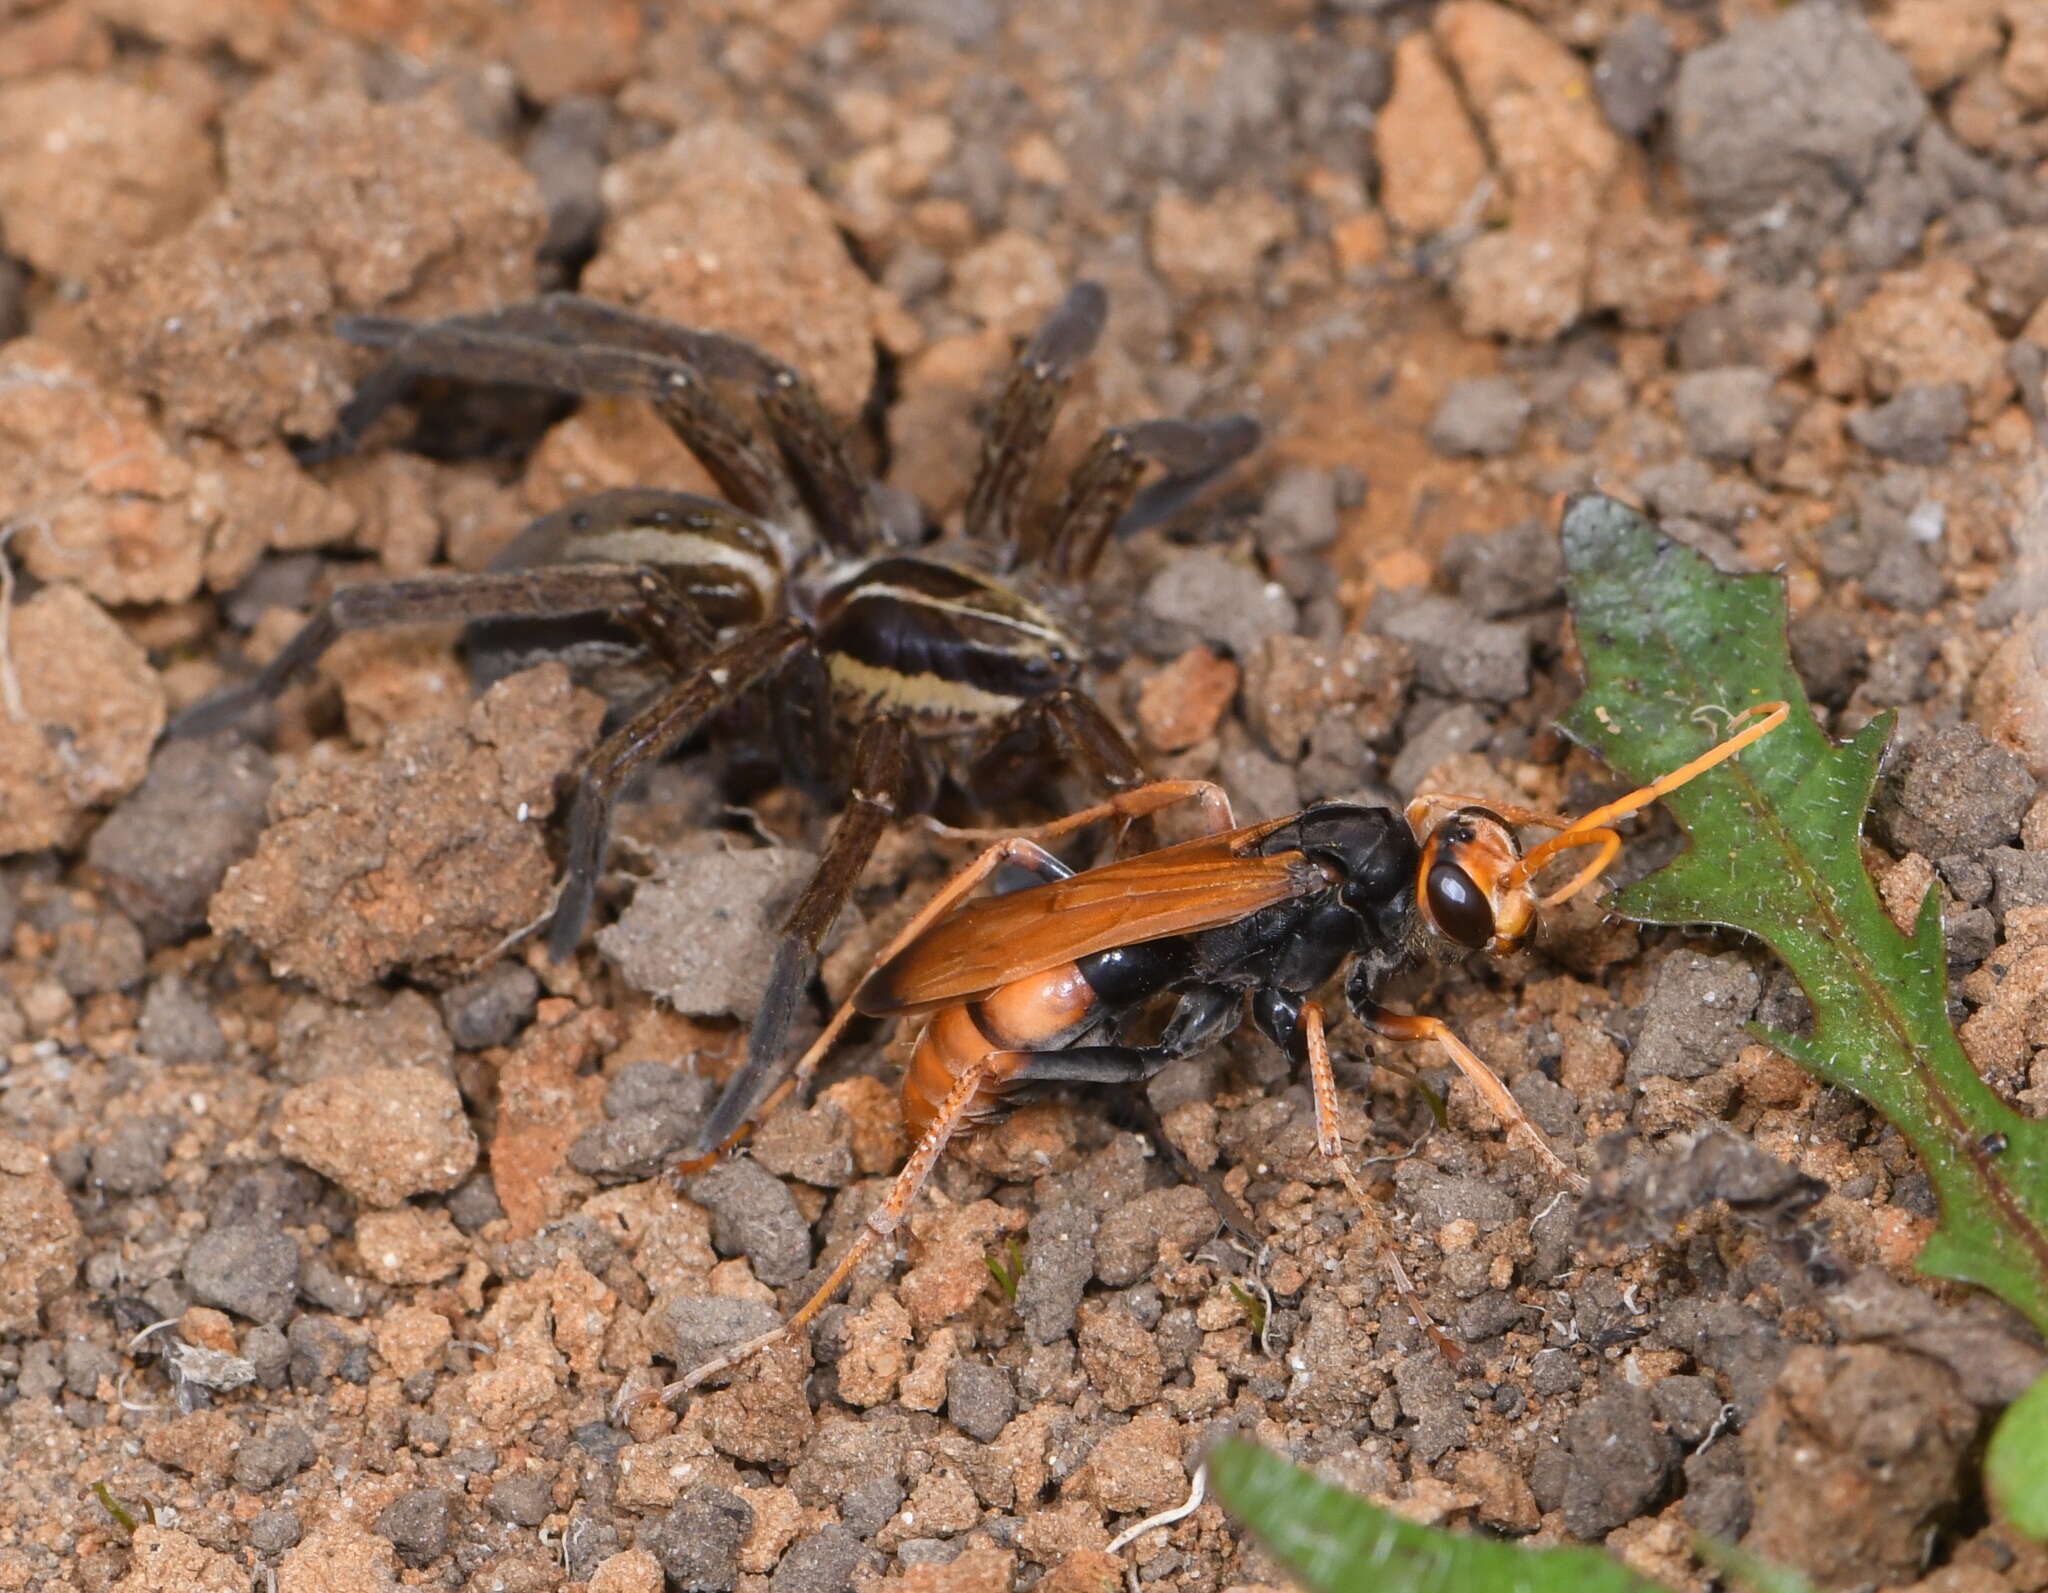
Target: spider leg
{"type": "Point", "coordinates": [524, 347]}
{"type": "Point", "coordinates": [881, 775]}
{"type": "Point", "coordinates": [811, 442]}
{"type": "Point", "coordinates": [543, 592]}
{"type": "Point", "coordinates": [650, 735]}
{"type": "Point", "coordinates": [1016, 436]}
{"type": "Point", "coordinates": [1083, 735]}
{"type": "Point", "coordinates": [1103, 497]}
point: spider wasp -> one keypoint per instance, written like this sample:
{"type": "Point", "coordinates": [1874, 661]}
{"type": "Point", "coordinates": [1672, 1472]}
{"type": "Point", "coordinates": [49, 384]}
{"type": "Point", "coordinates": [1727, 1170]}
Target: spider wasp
{"type": "Point", "coordinates": [1035, 988]}
{"type": "Point", "coordinates": [889, 671]}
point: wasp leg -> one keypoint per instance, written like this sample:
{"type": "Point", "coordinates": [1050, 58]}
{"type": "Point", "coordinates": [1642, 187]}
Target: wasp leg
{"type": "Point", "coordinates": [1136, 803]}
{"type": "Point", "coordinates": [1330, 1146]}
{"type": "Point", "coordinates": [882, 1222]}
{"type": "Point", "coordinates": [650, 735]}
{"type": "Point", "coordinates": [720, 1135]}
{"type": "Point", "coordinates": [1015, 441]}
{"type": "Point", "coordinates": [433, 599]}
{"type": "Point", "coordinates": [1406, 1026]}
{"type": "Point", "coordinates": [881, 768]}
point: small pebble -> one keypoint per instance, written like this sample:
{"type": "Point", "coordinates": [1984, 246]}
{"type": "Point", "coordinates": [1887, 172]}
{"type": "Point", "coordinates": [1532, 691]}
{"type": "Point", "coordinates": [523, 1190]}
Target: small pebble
{"type": "Point", "coordinates": [247, 1268]}
{"type": "Point", "coordinates": [418, 1524]}
{"type": "Point", "coordinates": [492, 1008]}
{"type": "Point", "coordinates": [1480, 415]}
{"type": "Point", "coordinates": [1726, 413]}
{"type": "Point", "coordinates": [698, 1542]}
{"type": "Point", "coordinates": [754, 1215]}
{"type": "Point", "coordinates": [979, 1399]}
{"type": "Point", "coordinates": [525, 1499]}
{"type": "Point", "coordinates": [1919, 425]}
{"type": "Point", "coordinates": [178, 1026]}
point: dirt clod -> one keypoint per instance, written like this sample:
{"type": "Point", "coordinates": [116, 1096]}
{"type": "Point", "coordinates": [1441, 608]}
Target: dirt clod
{"type": "Point", "coordinates": [383, 1134]}
{"type": "Point", "coordinates": [1874, 1436]}
{"type": "Point", "coordinates": [427, 853]}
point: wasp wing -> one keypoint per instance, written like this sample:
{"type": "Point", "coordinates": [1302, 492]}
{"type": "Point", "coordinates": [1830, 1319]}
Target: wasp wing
{"type": "Point", "coordinates": [1178, 890]}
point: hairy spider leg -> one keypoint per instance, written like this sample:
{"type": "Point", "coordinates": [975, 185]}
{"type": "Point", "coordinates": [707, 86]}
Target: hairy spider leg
{"type": "Point", "coordinates": [1102, 495]}
{"type": "Point", "coordinates": [672, 619]}
{"type": "Point", "coordinates": [649, 736]}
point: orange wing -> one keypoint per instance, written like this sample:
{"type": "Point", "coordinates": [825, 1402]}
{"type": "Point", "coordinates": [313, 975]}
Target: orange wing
{"type": "Point", "coordinates": [991, 941]}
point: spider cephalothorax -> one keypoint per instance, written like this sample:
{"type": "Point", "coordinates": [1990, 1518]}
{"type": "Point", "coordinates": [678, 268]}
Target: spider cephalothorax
{"type": "Point", "coordinates": [891, 667]}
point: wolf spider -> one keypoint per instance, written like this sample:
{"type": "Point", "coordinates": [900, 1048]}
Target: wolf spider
{"type": "Point", "coordinates": [893, 670]}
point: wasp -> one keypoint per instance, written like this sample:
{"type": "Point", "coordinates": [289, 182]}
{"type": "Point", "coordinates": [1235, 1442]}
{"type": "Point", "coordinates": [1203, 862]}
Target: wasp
{"type": "Point", "coordinates": [1036, 988]}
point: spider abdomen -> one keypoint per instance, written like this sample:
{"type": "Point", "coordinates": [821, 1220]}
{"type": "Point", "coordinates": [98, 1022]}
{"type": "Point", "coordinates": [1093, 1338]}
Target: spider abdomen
{"type": "Point", "coordinates": [944, 646]}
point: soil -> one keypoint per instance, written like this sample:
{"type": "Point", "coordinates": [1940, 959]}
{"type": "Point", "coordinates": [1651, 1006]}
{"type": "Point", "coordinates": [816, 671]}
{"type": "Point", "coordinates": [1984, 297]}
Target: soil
{"type": "Point", "coordinates": [333, 1218]}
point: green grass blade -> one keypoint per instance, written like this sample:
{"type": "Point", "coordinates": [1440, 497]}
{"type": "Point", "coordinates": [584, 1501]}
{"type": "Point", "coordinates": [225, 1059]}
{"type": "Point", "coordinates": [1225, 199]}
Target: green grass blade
{"type": "Point", "coordinates": [1774, 853]}
{"type": "Point", "coordinates": [2016, 1464]}
{"type": "Point", "coordinates": [1332, 1541]}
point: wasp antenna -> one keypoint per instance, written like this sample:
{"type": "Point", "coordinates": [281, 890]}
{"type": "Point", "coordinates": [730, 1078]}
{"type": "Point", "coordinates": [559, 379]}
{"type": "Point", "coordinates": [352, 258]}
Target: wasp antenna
{"type": "Point", "coordinates": [1592, 828]}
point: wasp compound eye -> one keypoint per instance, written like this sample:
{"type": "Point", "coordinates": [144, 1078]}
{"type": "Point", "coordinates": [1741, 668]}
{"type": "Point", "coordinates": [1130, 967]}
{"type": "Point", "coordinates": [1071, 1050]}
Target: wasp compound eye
{"type": "Point", "coordinates": [1458, 906]}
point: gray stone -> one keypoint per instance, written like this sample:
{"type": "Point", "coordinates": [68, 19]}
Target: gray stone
{"type": "Point", "coordinates": [1457, 653]}
{"type": "Point", "coordinates": [178, 1026]}
{"type": "Point", "coordinates": [166, 847]}
{"type": "Point", "coordinates": [1437, 1198]}
{"type": "Point", "coordinates": [566, 155]}
{"type": "Point", "coordinates": [1689, 1406]}
{"type": "Point", "coordinates": [1622, 1465]}
{"type": "Point", "coordinates": [1774, 325]}
{"type": "Point", "coordinates": [274, 1531]}
{"type": "Point", "coordinates": [1205, 596]}
{"type": "Point", "coordinates": [1794, 114]}
{"type": "Point", "coordinates": [84, 1364]}
{"type": "Point", "coordinates": [1481, 416]}
{"type": "Point", "coordinates": [324, 1348]}
{"type": "Point", "coordinates": [866, 1508]}
{"type": "Point", "coordinates": [101, 953]}
{"type": "Point", "coordinates": [754, 1215]}
{"type": "Point", "coordinates": [1694, 1017]}
{"type": "Point", "coordinates": [1300, 511]}
{"type": "Point", "coordinates": [247, 1268]}
{"type": "Point", "coordinates": [1459, 728]}
{"type": "Point", "coordinates": [698, 1328]}
{"type": "Point", "coordinates": [698, 1542]}
{"type": "Point", "coordinates": [1633, 73]}
{"type": "Point", "coordinates": [266, 1349]}
{"type": "Point", "coordinates": [979, 1399]}
{"type": "Point", "coordinates": [700, 934]}
{"type": "Point", "coordinates": [273, 1456]}
{"type": "Point", "coordinates": [474, 1204]}
{"type": "Point", "coordinates": [492, 1008]}
{"type": "Point", "coordinates": [1059, 1259]}
{"type": "Point", "coordinates": [2019, 879]}
{"type": "Point", "coordinates": [1727, 412]}
{"type": "Point", "coordinates": [419, 1525]}
{"type": "Point", "coordinates": [525, 1499]}
{"type": "Point", "coordinates": [1507, 572]}
{"type": "Point", "coordinates": [131, 1162]}
{"type": "Point", "coordinates": [1952, 791]}
{"type": "Point", "coordinates": [824, 1562]}
{"type": "Point", "coordinates": [1430, 1398]}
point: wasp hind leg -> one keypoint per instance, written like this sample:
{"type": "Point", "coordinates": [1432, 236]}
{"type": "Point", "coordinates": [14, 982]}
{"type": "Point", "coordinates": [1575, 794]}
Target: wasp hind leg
{"type": "Point", "coordinates": [882, 1222]}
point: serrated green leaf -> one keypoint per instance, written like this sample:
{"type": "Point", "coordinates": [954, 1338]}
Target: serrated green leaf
{"type": "Point", "coordinates": [1672, 647]}
{"type": "Point", "coordinates": [1335, 1542]}
{"type": "Point", "coordinates": [2016, 1463]}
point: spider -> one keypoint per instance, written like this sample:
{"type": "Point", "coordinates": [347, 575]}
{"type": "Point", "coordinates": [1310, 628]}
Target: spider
{"type": "Point", "coordinates": [890, 670]}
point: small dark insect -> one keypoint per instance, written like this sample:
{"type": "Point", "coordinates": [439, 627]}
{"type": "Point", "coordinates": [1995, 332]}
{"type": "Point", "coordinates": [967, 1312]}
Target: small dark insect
{"type": "Point", "coordinates": [1037, 988]}
{"type": "Point", "coordinates": [886, 673]}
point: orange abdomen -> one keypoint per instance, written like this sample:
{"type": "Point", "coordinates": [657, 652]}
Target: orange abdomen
{"type": "Point", "coordinates": [1028, 1014]}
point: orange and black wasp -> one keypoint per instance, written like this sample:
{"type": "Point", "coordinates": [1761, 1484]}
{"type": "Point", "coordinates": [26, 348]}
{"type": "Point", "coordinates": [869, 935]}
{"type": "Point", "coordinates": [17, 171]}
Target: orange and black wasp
{"type": "Point", "coordinates": [1033, 989]}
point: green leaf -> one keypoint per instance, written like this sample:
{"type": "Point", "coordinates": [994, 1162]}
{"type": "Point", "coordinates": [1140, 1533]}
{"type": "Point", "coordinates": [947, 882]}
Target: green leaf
{"type": "Point", "coordinates": [2016, 1464]}
{"type": "Point", "coordinates": [1335, 1542]}
{"type": "Point", "coordinates": [1672, 647]}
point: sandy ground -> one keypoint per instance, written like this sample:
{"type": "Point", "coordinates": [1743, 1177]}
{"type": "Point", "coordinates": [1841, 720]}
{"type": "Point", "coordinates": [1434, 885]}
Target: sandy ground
{"type": "Point", "coordinates": [330, 1231]}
